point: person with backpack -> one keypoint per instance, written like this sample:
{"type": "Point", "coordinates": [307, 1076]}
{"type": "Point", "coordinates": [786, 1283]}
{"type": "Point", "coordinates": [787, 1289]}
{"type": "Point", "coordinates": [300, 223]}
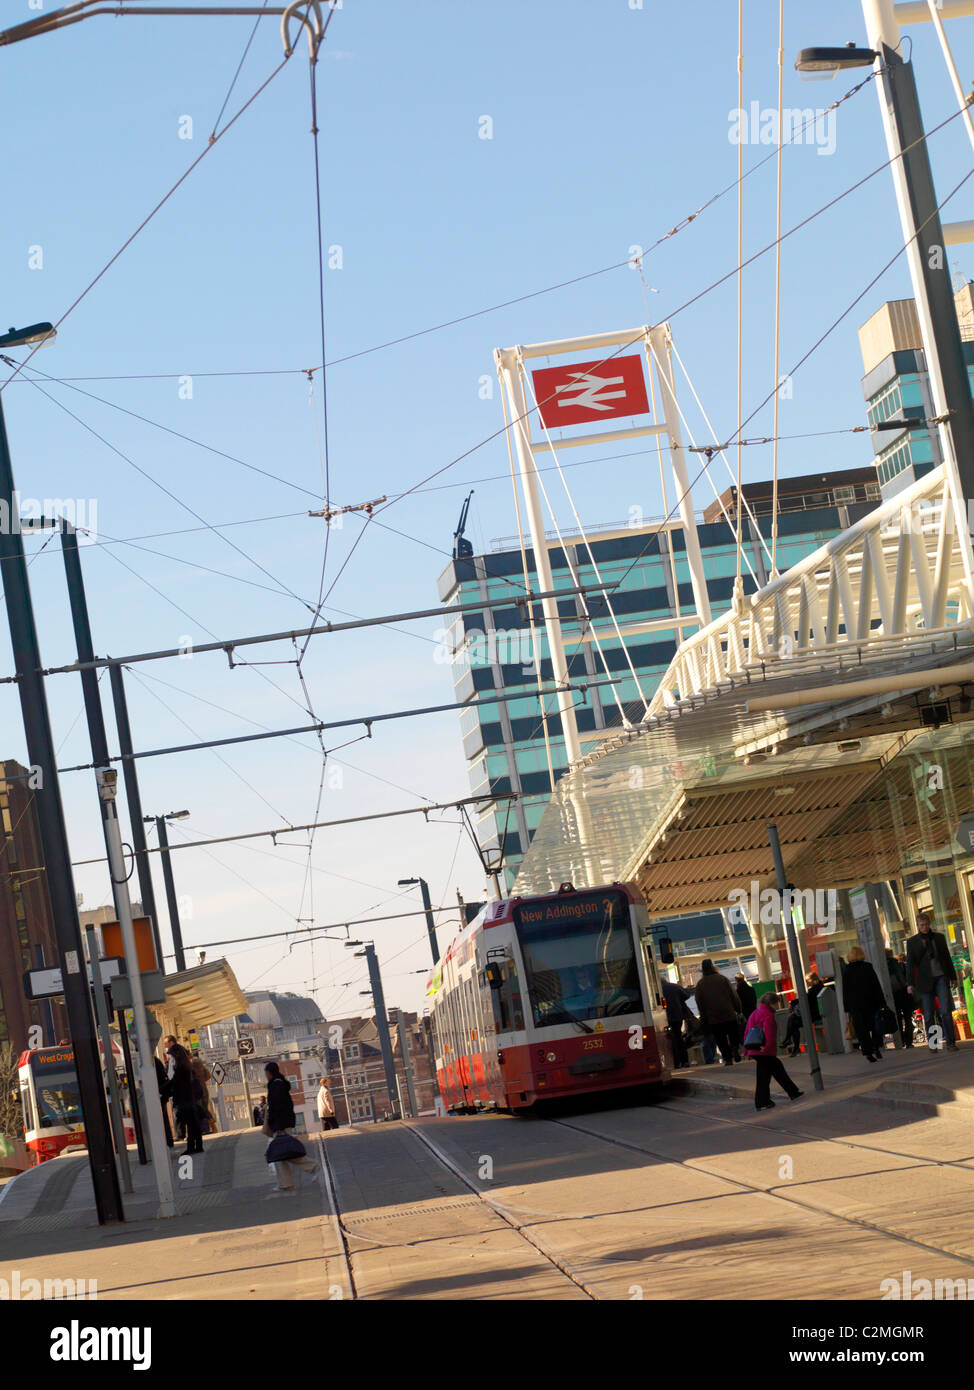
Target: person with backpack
{"type": "Point", "coordinates": [761, 1044]}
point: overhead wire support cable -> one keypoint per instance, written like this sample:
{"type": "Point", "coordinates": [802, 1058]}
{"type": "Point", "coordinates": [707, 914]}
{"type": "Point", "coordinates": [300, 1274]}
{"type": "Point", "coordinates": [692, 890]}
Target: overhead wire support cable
{"type": "Point", "coordinates": [324, 825]}
{"type": "Point", "coordinates": [366, 720]}
{"type": "Point", "coordinates": [228, 645]}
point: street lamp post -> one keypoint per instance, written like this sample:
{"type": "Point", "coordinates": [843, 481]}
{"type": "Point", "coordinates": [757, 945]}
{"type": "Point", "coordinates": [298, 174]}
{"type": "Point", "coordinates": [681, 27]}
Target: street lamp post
{"type": "Point", "coordinates": [381, 1017]}
{"type": "Point", "coordinates": [925, 247]}
{"type": "Point", "coordinates": [174, 924]}
{"type": "Point", "coordinates": [428, 909]}
{"type": "Point", "coordinates": [51, 824]}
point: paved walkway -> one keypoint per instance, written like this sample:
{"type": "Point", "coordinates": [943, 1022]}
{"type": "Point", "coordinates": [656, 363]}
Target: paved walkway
{"type": "Point", "coordinates": [912, 1076]}
{"type": "Point", "coordinates": [233, 1237]}
{"type": "Point", "coordinates": [857, 1148]}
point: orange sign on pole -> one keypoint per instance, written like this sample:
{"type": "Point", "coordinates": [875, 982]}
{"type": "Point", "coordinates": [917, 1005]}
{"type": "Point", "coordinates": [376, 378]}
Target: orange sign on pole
{"type": "Point", "coordinates": [111, 935]}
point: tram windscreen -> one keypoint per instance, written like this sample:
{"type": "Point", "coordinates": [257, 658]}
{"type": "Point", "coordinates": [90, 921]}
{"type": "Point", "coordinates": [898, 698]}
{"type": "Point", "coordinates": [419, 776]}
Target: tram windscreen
{"type": "Point", "coordinates": [58, 1099]}
{"type": "Point", "coordinates": [579, 957]}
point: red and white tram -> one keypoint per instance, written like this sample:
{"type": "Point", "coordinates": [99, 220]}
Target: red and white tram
{"type": "Point", "coordinates": [50, 1101]}
{"type": "Point", "coordinates": [548, 996]}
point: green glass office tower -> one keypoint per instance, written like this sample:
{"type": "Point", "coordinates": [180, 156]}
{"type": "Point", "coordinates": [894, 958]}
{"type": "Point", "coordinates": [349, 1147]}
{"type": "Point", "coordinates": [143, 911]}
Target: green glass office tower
{"type": "Point", "coordinates": [495, 651]}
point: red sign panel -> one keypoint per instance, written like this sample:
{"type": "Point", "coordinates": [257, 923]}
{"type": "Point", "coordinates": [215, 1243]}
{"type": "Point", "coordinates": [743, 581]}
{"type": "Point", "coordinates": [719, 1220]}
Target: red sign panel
{"type": "Point", "coordinates": [587, 391]}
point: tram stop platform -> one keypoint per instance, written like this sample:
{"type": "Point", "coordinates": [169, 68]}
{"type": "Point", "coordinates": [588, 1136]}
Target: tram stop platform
{"type": "Point", "coordinates": [910, 1082]}
{"type": "Point", "coordinates": [234, 1238]}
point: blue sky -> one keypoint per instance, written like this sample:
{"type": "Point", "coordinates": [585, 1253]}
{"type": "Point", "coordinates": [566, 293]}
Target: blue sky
{"type": "Point", "coordinates": [609, 125]}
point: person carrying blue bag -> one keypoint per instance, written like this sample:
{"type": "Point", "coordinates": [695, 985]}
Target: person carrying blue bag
{"type": "Point", "coordinates": [284, 1149]}
{"type": "Point", "coordinates": [761, 1044]}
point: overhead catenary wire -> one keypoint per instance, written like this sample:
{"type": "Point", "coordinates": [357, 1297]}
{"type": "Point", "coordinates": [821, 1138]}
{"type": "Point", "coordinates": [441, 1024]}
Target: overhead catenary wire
{"type": "Point", "coordinates": [157, 208]}
{"type": "Point", "coordinates": [678, 227]}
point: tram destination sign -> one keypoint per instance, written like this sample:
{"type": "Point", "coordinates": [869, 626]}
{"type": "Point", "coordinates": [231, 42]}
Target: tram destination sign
{"type": "Point", "coordinates": [47, 983]}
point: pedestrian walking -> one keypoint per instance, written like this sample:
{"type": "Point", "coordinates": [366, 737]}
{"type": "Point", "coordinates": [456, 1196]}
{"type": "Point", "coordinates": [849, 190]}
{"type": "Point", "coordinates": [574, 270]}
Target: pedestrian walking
{"type": "Point", "coordinates": [719, 1009]}
{"type": "Point", "coordinates": [677, 1013]}
{"type": "Point", "coordinates": [187, 1099]}
{"type": "Point", "coordinates": [929, 974]}
{"type": "Point", "coordinates": [901, 997]}
{"type": "Point", "coordinates": [260, 1113]}
{"type": "Point", "coordinates": [746, 995]}
{"type": "Point", "coordinates": [326, 1107]}
{"type": "Point", "coordinates": [864, 998]}
{"type": "Point", "coordinates": [761, 1044]}
{"type": "Point", "coordinates": [279, 1119]}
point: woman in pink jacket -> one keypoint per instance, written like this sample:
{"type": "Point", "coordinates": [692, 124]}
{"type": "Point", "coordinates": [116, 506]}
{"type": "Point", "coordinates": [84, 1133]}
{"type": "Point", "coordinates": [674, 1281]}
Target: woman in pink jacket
{"type": "Point", "coordinates": [766, 1055]}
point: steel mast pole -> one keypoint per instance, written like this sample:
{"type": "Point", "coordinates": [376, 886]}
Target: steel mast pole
{"type": "Point", "coordinates": [134, 801]}
{"type": "Point", "coordinates": [509, 365]}
{"type": "Point", "coordinates": [794, 955]}
{"type": "Point", "coordinates": [174, 926]}
{"type": "Point", "coordinates": [54, 840]}
{"type": "Point", "coordinates": [926, 255]}
{"type": "Point", "coordinates": [158, 1148]}
{"type": "Point", "coordinates": [382, 1023]}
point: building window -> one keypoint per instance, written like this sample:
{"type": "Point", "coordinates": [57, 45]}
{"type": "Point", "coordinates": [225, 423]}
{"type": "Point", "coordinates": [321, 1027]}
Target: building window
{"type": "Point", "coordinates": [352, 1052]}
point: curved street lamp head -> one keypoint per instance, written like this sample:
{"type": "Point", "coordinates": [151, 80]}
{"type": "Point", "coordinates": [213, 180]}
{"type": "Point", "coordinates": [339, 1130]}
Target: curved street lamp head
{"type": "Point", "coordinates": [826, 62]}
{"type": "Point", "coordinates": [33, 333]}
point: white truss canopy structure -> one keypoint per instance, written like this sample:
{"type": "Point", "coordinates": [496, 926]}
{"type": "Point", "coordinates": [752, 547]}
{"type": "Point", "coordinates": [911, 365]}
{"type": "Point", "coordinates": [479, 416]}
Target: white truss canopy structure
{"type": "Point", "coordinates": [900, 571]}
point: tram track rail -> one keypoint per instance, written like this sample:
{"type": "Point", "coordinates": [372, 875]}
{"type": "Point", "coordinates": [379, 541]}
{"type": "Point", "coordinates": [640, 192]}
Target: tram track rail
{"type": "Point", "coordinates": [330, 1186]}
{"type": "Point", "coordinates": [781, 1192]}
{"type": "Point", "coordinates": [500, 1210]}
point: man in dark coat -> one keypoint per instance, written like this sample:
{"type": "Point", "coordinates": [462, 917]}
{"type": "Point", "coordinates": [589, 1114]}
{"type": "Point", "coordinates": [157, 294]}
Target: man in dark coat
{"type": "Point", "coordinates": [675, 997]}
{"type": "Point", "coordinates": [719, 1009]}
{"type": "Point", "coordinates": [929, 974]}
{"type": "Point", "coordinates": [863, 997]}
{"type": "Point", "coordinates": [162, 1081]}
{"type": "Point", "coordinates": [749, 1000]}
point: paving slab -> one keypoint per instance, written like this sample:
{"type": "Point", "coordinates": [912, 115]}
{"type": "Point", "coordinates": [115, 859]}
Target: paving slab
{"type": "Point", "coordinates": [741, 1247]}
{"type": "Point", "coordinates": [758, 1157]}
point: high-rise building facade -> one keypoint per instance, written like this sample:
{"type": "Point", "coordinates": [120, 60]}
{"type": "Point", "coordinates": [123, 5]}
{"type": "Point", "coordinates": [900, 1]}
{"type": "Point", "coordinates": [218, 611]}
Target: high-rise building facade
{"type": "Point", "coordinates": [896, 386]}
{"type": "Point", "coordinates": [510, 748]}
{"type": "Point", "coordinates": [27, 939]}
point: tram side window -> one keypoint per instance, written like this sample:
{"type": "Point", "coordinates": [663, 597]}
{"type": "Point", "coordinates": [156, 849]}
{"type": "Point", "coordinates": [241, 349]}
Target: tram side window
{"type": "Point", "coordinates": [508, 1010]}
{"type": "Point", "coordinates": [27, 1109]}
